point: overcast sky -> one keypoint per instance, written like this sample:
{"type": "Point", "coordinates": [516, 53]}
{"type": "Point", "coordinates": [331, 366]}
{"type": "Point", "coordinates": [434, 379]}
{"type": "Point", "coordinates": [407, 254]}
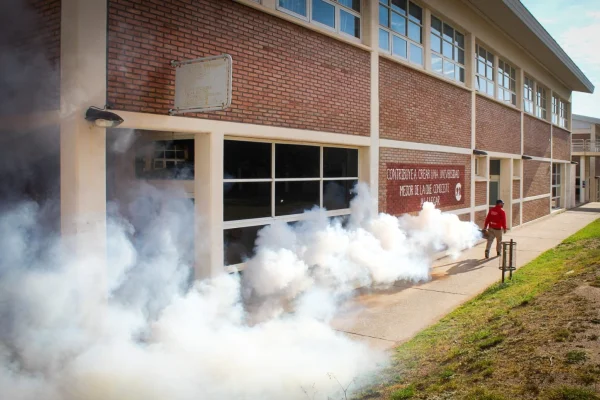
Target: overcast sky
{"type": "Point", "coordinates": [575, 25]}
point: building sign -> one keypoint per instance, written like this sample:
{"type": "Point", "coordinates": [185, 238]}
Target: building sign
{"type": "Point", "coordinates": [411, 185]}
{"type": "Point", "coordinates": [203, 84]}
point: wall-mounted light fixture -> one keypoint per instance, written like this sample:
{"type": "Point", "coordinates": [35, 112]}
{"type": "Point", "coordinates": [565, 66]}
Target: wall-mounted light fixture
{"type": "Point", "coordinates": [527, 158]}
{"type": "Point", "coordinates": [103, 118]}
{"type": "Point", "coordinates": [479, 152]}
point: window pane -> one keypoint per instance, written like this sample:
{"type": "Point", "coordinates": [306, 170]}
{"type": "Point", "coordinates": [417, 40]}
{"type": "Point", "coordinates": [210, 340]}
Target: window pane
{"type": "Point", "coordinates": [245, 200]}
{"type": "Point", "coordinates": [459, 39]}
{"type": "Point", "coordinates": [239, 244]}
{"type": "Point", "coordinates": [416, 54]}
{"type": "Point", "coordinates": [490, 58]}
{"type": "Point", "coordinates": [337, 194]}
{"type": "Point", "coordinates": [296, 197]}
{"type": "Point", "coordinates": [384, 40]}
{"type": "Point", "coordinates": [436, 63]}
{"type": "Point", "coordinates": [494, 167]}
{"type": "Point", "coordinates": [399, 47]}
{"type": "Point", "coordinates": [297, 6]}
{"type": "Point", "coordinates": [384, 16]}
{"type": "Point", "coordinates": [448, 33]}
{"type": "Point", "coordinates": [349, 24]}
{"type": "Point", "coordinates": [436, 43]}
{"type": "Point", "coordinates": [323, 12]}
{"type": "Point", "coordinates": [416, 13]}
{"type": "Point", "coordinates": [246, 160]}
{"type": "Point", "coordinates": [436, 26]}
{"type": "Point", "coordinates": [481, 68]}
{"type": "Point", "coordinates": [160, 160]}
{"type": "Point", "coordinates": [459, 55]}
{"type": "Point", "coordinates": [447, 50]}
{"type": "Point", "coordinates": [490, 88]}
{"type": "Point", "coordinates": [297, 161]}
{"type": "Point", "coordinates": [460, 74]}
{"type": "Point", "coordinates": [340, 163]}
{"type": "Point", "coordinates": [482, 54]}
{"type": "Point", "coordinates": [399, 23]}
{"type": "Point", "coordinates": [399, 6]}
{"type": "Point", "coordinates": [353, 4]}
{"type": "Point", "coordinates": [448, 70]}
{"type": "Point", "coordinates": [414, 32]}
{"type": "Point", "coordinates": [490, 73]}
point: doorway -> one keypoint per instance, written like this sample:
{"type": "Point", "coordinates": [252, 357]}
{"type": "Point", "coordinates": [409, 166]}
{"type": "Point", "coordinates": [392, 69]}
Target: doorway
{"type": "Point", "coordinates": [494, 184]}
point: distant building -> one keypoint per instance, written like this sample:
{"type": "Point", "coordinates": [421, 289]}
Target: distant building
{"type": "Point", "coordinates": [586, 153]}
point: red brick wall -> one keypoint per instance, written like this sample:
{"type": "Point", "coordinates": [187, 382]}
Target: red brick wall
{"type": "Point", "coordinates": [498, 128]}
{"type": "Point", "coordinates": [536, 137]}
{"type": "Point", "coordinates": [388, 155]}
{"type": "Point", "coordinates": [516, 189]}
{"type": "Point", "coordinates": [536, 179]}
{"type": "Point", "coordinates": [283, 74]}
{"type": "Point", "coordinates": [415, 107]}
{"type": "Point", "coordinates": [31, 38]}
{"type": "Point", "coordinates": [561, 144]}
{"type": "Point", "coordinates": [480, 218]}
{"type": "Point", "coordinates": [516, 217]}
{"type": "Point", "coordinates": [535, 209]}
{"type": "Point", "coordinates": [581, 135]}
{"type": "Point", "coordinates": [481, 193]}
{"type": "Point", "coordinates": [465, 217]}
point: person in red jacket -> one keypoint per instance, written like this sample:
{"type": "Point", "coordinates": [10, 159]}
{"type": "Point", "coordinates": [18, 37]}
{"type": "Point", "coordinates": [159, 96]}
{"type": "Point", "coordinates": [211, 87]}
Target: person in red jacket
{"type": "Point", "coordinates": [496, 220]}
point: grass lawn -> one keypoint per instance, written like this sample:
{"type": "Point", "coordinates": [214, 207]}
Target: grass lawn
{"type": "Point", "coordinates": [535, 337]}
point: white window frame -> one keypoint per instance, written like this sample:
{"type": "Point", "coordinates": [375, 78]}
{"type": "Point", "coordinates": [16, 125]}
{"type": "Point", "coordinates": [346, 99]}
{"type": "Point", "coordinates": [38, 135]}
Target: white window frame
{"type": "Point", "coordinates": [165, 159]}
{"type": "Point", "coordinates": [529, 93]}
{"type": "Point", "coordinates": [455, 46]}
{"type": "Point", "coordinates": [556, 184]}
{"type": "Point", "coordinates": [478, 76]}
{"type": "Point", "coordinates": [512, 82]}
{"type": "Point", "coordinates": [244, 223]}
{"type": "Point", "coordinates": [337, 16]}
{"type": "Point", "coordinates": [391, 33]}
{"type": "Point", "coordinates": [539, 110]}
{"type": "Point", "coordinates": [560, 112]}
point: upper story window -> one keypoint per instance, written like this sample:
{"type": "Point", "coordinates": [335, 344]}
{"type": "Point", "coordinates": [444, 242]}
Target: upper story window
{"type": "Point", "coordinates": [485, 71]}
{"type": "Point", "coordinates": [401, 29]}
{"type": "Point", "coordinates": [560, 112]}
{"type": "Point", "coordinates": [528, 90]}
{"type": "Point", "coordinates": [507, 83]}
{"type": "Point", "coordinates": [342, 16]}
{"type": "Point", "coordinates": [541, 104]}
{"type": "Point", "coordinates": [447, 50]}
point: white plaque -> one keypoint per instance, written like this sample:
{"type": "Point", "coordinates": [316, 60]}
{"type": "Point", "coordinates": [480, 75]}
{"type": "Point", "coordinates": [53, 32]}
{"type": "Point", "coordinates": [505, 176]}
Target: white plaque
{"type": "Point", "coordinates": [203, 84]}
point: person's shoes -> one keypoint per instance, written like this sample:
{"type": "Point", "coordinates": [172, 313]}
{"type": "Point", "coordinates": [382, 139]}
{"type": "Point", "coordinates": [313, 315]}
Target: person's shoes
{"type": "Point", "coordinates": [487, 254]}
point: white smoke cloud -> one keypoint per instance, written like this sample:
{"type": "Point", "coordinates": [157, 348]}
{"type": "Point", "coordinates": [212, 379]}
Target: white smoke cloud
{"type": "Point", "coordinates": [159, 336]}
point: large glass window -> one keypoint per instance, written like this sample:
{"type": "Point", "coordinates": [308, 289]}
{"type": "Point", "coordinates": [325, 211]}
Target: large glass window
{"type": "Point", "coordinates": [342, 16]}
{"type": "Point", "coordinates": [485, 71]}
{"type": "Point", "coordinates": [556, 186]}
{"type": "Point", "coordinates": [165, 159]}
{"type": "Point", "coordinates": [507, 83]}
{"type": "Point", "coordinates": [540, 102]}
{"type": "Point", "coordinates": [560, 112]}
{"type": "Point", "coordinates": [528, 89]}
{"type": "Point", "coordinates": [401, 29]}
{"type": "Point", "coordinates": [447, 50]}
{"type": "Point", "coordinates": [266, 181]}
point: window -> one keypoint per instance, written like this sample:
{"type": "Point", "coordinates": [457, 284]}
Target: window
{"type": "Point", "coordinates": [556, 186]}
{"type": "Point", "coordinates": [507, 83]}
{"type": "Point", "coordinates": [401, 29]}
{"type": "Point", "coordinates": [540, 102]}
{"type": "Point", "coordinates": [166, 159]}
{"type": "Point", "coordinates": [265, 181]}
{"type": "Point", "coordinates": [342, 16]}
{"type": "Point", "coordinates": [560, 112]}
{"type": "Point", "coordinates": [485, 71]}
{"type": "Point", "coordinates": [528, 88]}
{"type": "Point", "coordinates": [447, 50]}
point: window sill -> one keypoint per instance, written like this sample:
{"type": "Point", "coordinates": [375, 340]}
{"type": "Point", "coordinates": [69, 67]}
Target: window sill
{"type": "Point", "coordinates": [560, 127]}
{"type": "Point", "coordinates": [298, 21]}
{"type": "Point", "coordinates": [481, 179]}
{"type": "Point", "coordinates": [537, 118]}
{"type": "Point", "coordinates": [502, 103]}
{"type": "Point", "coordinates": [423, 70]}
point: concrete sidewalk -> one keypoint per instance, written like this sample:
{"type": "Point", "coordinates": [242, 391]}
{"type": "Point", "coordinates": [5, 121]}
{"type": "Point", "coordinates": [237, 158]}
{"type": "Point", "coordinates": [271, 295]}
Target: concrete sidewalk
{"type": "Point", "coordinates": [387, 318]}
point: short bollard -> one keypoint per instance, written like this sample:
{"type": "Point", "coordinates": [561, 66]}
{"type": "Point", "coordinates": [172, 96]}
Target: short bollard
{"type": "Point", "coordinates": [508, 259]}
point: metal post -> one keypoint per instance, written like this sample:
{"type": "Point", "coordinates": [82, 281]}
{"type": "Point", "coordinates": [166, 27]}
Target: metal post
{"type": "Point", "coordinates": [510, 259]}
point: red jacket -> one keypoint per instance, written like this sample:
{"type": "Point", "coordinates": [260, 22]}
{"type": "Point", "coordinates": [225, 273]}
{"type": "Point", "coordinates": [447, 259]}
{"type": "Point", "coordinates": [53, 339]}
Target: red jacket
{"type": "Point", "coordinates": [496, 218]}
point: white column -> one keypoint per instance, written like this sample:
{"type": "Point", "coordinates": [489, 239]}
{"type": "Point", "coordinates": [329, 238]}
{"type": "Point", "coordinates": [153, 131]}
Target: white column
{"type": "Point", "coordinates": [372, 40]}
{"type": "Point", "coordinates": [582, 177]}
{"type": "Point", "coordinates": [470, 66]}
{"type": "Point", "coordinates": [82, 144]}
{"type": "Point", "coordinates": [208, 195]}
{"type": "Point", "coordinates": [593, 186]}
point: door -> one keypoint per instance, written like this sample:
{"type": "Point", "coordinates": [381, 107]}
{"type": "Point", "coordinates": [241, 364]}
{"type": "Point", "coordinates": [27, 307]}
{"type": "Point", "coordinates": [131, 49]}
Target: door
{"type": "Point", "coordinates": [494, 184]}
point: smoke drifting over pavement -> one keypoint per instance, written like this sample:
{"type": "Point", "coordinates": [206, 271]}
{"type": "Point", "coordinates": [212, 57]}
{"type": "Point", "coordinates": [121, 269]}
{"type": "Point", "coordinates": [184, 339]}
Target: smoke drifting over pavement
{"type": "Point", "coordinates": [160, 337]}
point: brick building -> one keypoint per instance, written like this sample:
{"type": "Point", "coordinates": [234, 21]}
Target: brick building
{"type": "Point", "coordinates": [459, 102]}
{"type": "Point", "coordinates": [586, 153]}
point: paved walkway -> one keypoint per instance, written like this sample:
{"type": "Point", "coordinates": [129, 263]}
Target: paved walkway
{"type": "Point", "coordinates": [387, 318]}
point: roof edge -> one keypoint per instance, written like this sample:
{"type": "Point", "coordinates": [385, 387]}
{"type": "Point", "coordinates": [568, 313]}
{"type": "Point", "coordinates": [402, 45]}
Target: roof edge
{"type": "Point", "coordinates": [528, 19]}
{"type": "Point", "coordinates": [585, 118]}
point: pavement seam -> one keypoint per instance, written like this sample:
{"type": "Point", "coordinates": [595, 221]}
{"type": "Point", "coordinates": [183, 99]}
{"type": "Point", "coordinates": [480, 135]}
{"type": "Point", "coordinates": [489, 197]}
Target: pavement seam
{"type": "Point", "coordinates": [360, 334]}
{"type": "Point", "coordinates": [439, 291]}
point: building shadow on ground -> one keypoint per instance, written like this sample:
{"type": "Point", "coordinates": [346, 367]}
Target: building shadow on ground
{"type": "Point", "coordinates": [469, 265]}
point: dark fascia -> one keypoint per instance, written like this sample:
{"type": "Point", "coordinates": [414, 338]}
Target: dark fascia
{"type": "Point", "coordinates": [528, 19]}
{"type": "Point", "coordinates": [585, 118]}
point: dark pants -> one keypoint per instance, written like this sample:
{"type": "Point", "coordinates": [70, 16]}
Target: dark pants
{"type": "Point", "coordinates": [494, 234]}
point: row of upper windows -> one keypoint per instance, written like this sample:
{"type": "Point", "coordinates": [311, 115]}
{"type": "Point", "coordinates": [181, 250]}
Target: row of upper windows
{"type": "Point", "coordinates": [401, 34]}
